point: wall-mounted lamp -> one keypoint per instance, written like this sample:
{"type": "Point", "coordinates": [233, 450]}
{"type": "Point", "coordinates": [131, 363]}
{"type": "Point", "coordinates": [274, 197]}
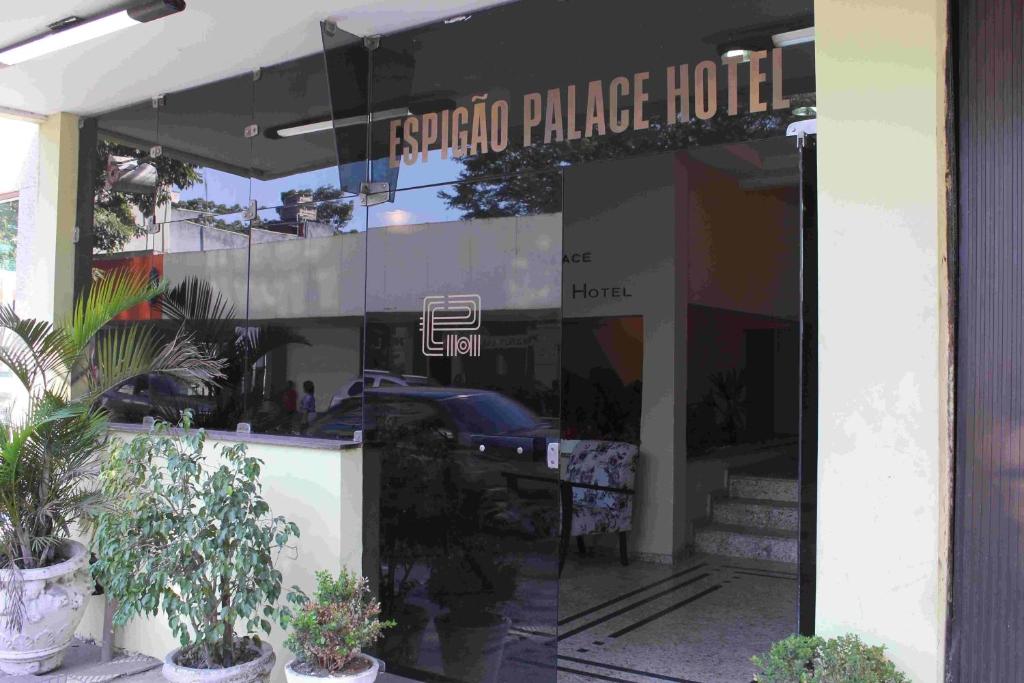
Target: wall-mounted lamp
{"type": "Point", "coordinates": [74, 30]}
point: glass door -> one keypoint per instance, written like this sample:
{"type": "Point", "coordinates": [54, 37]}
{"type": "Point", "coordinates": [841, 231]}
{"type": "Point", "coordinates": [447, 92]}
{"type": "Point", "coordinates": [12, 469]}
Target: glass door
{"type": "Point", "coordinates": [460, 422]}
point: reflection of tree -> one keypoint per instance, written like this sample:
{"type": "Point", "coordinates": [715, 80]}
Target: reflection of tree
{"type": "Point", "coordinates": [114, 221]}
{"type": "Point", "coordinates": [328, 209]}
{"type": "Point", "coordinates": [213, 213]}
{"type": "Point", "coordinates": [8, 234]}
{"type": "Point", "coordinates": [515, 184]}
{"type": "Point", "coordinates": [205, 314]}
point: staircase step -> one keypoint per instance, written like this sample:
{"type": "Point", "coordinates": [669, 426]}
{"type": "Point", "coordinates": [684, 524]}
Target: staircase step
{"type": "Point", "coordinates": [763, 488]}
{"type": "Point", "coordinates": [730, 540]}
{"type": "Point", "coordinates": [752, 512]}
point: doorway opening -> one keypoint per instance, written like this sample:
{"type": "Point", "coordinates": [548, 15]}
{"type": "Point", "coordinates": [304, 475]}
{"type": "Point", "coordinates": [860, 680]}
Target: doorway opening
{"type": "Point", "coordinates": [682, 397]}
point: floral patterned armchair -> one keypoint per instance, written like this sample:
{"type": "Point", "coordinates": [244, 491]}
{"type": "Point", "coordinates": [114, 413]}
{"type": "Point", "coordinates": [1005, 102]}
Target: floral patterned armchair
{"type": "Point", "coordinates": [599, 481]}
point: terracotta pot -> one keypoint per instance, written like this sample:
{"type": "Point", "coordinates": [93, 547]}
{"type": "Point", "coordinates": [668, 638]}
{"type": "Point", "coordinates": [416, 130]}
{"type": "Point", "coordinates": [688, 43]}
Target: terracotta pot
{"type": "Point", "coordinates": [55, 598]}
{"type": "Point", "coordinates": [471, 650]}
{"type": "Point", "coordinates": [254, 671]}
{"type": "Point", "coordinates": [367, 676]}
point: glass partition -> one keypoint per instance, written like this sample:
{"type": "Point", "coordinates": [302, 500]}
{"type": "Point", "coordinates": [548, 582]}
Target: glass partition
{"type": "Point", "coordinates": [294, 162]}
{"type": "Point", "coordinates": [461, 394]}
{"type": "Point", "coordinates": [348, 76]}
{"type": "Point", "coordinates": [205, 129]}
{"type": "Point", "coordinates": [306, 297]}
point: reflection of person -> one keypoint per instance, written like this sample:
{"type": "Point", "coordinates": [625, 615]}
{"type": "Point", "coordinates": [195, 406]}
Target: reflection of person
{"type": "Point", "coordinates": [290, 398]}
{"type": "Point", "coordinates": [308, 403]}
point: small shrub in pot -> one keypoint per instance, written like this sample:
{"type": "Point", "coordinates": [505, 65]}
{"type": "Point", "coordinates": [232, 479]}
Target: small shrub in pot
{"type": "Point", "coordinates": [810, 659]}
{"type": "Point", "coordinates": [193, 537]}
{"type": "Point", "coordinates": [330, 631]}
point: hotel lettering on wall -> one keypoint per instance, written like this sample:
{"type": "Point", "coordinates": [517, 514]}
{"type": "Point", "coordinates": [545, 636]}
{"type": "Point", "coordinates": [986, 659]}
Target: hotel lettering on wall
{"type": "Point", "coordinates": [607, 107]}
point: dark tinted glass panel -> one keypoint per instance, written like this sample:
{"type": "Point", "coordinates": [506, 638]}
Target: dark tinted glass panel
{"type": "Point", "coordinates": [540, 84]}
{"type": "Point", "coordinates": [205, 127]}
{"type": "Point", "coordinates": [348, 68]}
{"type": "Point", "coordinates": [462, 358]}
{"type": "Point", "coordinates": [294, 160]}
{"type": "Point", "coordinates": [306, 297]}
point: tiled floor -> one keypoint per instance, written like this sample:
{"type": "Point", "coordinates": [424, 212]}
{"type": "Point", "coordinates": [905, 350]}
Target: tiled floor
{"type": "Point", "coordinates": [699, 621]}
{"type": "Point", "coordinates": [696, 622]}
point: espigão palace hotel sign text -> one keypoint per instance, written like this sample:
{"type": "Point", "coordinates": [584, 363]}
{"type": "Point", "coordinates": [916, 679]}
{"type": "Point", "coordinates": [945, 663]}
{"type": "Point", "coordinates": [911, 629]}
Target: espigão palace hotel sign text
{"type": "Point", "coordinates": [614, 106]}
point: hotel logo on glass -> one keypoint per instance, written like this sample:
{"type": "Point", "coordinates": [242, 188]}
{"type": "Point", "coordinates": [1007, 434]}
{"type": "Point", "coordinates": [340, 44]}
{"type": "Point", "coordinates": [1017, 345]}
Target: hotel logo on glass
{"type": "Point", "coordinates": [451, 325]}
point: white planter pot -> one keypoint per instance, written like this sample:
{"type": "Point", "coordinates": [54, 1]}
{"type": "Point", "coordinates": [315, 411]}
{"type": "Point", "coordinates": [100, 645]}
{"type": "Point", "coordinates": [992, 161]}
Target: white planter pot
{"type": "Point", "coordinates": [55, 600]}
{"type": "Point", "coordinates": [254, 671]}
{"type": "Point", "coordinates": [368, 676]}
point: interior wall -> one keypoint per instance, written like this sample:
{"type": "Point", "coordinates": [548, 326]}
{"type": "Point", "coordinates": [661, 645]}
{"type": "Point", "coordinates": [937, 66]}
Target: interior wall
{"type": "Point", "coordinates": [331, 360]}
{"type": "Point", "coordinates": [606, 206]}
{"type": "Point", "coordinates": [744, 243]}
{"type": "Point", "coordinates": [884, 474]}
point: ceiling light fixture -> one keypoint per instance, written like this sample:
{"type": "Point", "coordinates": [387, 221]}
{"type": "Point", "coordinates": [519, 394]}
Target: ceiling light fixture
{"type": "Point", "coordinates": [74, 30]}
{"type": "Point", "coordinates": [326, 124]}
{"type": "Point", "coordinates": [733, 53]}
{"type": "Point", "coordinates": [797, 37]}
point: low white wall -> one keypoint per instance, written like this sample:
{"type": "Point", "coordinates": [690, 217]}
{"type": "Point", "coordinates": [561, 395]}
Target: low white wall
{"type": "Point", "coordinates": [321, 490]}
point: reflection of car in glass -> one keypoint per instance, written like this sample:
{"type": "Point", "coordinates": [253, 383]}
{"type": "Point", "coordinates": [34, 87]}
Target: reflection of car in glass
{"type": "Point", "coordinates": [463, 417]}
{"type": "Point", "coordinates": [154, 395]}
{"type": "Point", "coordinates": [380, 378]}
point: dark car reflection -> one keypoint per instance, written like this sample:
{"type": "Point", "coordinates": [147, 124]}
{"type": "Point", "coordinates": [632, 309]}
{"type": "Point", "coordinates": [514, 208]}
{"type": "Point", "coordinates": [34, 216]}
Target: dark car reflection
{"type": "Point", "coordinates": [464, 417]}
{"type": "Point", "coordinates": [154, 395]}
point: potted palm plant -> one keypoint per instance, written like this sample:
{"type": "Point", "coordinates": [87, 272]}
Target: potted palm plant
{"type": "Point", "coordinates": [49, 456]}
{"type": "Point", "coordinates": [192, 537]}
{"type": "Point", "coordinates": [330, 631]}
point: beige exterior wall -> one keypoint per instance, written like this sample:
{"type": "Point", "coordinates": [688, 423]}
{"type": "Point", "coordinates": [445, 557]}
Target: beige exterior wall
{"type": "Point", "coordinates": [45, 269]}
{"type": "Point", "coordinates": [321, 490]}
{"type": "Point", "coordinates": [884, 465]}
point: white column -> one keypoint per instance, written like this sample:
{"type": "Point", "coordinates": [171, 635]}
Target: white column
{"type": "Point", "coordinates": [46, 223]}
{"type": "Point", "coordinates": [884, 472]}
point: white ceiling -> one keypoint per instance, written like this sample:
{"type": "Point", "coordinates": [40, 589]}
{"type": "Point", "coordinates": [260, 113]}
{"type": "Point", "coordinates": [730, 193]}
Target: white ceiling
{"type": "Point", "coordinates": [211, 39]}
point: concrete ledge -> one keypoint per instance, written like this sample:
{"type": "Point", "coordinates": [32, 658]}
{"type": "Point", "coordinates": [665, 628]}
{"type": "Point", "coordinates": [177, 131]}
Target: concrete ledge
{"type": "Point", "coordinates": [242, 437]}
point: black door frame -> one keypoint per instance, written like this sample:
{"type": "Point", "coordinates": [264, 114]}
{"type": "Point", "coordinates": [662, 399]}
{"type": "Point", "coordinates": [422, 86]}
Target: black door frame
{"type": "Point", "coordinates": [808, 448]}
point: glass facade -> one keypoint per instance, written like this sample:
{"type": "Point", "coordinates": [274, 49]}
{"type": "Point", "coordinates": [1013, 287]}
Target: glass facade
{"type": "Point", "coordinates": [543, 260]}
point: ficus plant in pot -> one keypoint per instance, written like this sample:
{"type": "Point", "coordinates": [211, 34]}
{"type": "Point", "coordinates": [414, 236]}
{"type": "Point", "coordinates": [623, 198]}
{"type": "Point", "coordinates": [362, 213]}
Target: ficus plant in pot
{"type": "Point", "coordinates": [50, 452]}
{"type": "Point", "coordinates": [192, 536]}
{"type": "Point", "coordinates": [330, 631]}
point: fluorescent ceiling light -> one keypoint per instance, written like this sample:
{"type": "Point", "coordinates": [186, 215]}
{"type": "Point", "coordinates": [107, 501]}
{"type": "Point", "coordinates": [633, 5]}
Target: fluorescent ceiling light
{"type": "Point", "coordinates": [797, 37]}
{"type": "Point", "coordinates": [327, 124]}
{"type": "Point", "coordinates": [744, 55]}
{"type": "Point", "coordinates": [73, 31]}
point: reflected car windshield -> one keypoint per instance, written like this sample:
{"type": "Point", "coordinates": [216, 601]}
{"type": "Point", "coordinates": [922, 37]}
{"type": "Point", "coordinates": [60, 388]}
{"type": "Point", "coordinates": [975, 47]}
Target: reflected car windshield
{"type": "Point", "coordinates": [491, 414]}
{"type": "Point", "coordinates": [169, 386]}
